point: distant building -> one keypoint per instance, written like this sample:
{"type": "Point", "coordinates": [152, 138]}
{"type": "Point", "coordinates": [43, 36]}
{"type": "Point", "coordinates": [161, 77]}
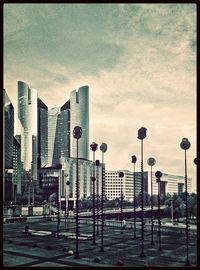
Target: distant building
{"type": "Point", "coordinates": [50, 175]}
{"type": "Point", "coordinates": [169, 184]}
{"type": "Point", "coordinates": [79, 116]}
{"type": "Point", "coordinates": [113, 185]}
{"type": "Point", "coordinates": [8, 134]}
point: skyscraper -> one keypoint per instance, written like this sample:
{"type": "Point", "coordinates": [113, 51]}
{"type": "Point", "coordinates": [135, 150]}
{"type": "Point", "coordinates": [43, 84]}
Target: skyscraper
{"type": "Point", "coordinates": [17, 166]}
{"type": "Point", "coordinates": [27, 114]}
{"type": "Point", "coordinates": [8, 134]}
{"type": "Point", "coordinates": [79, 116]}
{"type": "Point", "coordinates": [52, 126]}
{"type": "Point", "coordinates": [42, 133]}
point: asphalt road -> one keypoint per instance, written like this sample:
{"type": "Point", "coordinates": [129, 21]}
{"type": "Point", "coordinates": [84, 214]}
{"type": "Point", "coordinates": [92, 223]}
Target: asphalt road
{"type": "Point", "coordinates": [48, 251]}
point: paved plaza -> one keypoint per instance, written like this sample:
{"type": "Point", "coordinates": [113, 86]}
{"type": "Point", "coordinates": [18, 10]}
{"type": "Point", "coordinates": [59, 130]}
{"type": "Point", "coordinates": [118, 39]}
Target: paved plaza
{"type": "Point", "coordinates": [42, 249]}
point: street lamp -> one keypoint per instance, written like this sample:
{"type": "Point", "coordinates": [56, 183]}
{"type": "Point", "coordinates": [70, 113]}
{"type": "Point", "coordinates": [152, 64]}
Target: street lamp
{"type": "Point", "coordinates": [103, 148]}
{"type": "Point", "coordinates": [141, 136]}
{"type": "Point", "coordinates": [185, 145]}
{"type": "Point", "coordinates": [67, 203]}
{"type": "Point", "coordinates": [158, 175]}
{"type": "Point", "coordinates": [93, 147]}
{"type": "Point", "coordinates": [97, 173]}
{"type": "Point", "coordinates": [121, 175]}
{"type": "Point", "coordinates": [59, 167]}
{"type": "Point", "coordinates": [134, 159]}
{"type": "Point", "coordinates": [151, 162]}
{"type": "Point", "coordinates": [77, 133]}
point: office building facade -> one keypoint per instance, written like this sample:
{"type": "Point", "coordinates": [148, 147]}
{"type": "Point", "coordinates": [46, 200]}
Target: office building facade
{"type": "Point", "coordinates": [8, 134]}
{"type": "Point", "coordinates": [79, 116]}
{"type": "Point", "coordinates": [27, 114]}
{"type": "Point", "coordinates": [42, 133]}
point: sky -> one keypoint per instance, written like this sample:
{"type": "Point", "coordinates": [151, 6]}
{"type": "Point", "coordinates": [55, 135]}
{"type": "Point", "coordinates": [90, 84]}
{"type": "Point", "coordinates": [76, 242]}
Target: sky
{"type": "Point", "coordinates": [139, 61]}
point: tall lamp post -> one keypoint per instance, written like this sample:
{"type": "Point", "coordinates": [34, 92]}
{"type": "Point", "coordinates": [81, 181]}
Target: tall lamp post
{"type": "Point", "coordinates": [121, 175]}
{"type": "Point", "coordinates": [151, 162]}
{"type": "Point", "coordinates": [141, 136]}
{"type": "Point", "coordinates": [59, 166]}
{"type": "Point", "coordinates": [67, 204]}
{"type": "Point", "coordinates": [93, 147]}
{"type": "Point", "coordinates": [103, 148]}
{"type": "Point", "coordinates": [158, 175]}
{"type": "Point", "coordinates": [77, 133]}
{"type": "Point", "coordinates": [97, 173]}
{"type": "Point", "coordinates": [133, 160]}
{"type": "Point", "coordinates": [185, 145]}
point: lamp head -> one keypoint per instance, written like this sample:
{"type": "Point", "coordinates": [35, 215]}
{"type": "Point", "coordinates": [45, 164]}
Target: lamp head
{"type": "Point", "coordinates": [77, 132]}
{"type": "Point", "coordinates": [133, 159]}
{"type": "Point", "coordinates": [142, 133]}
{"type": "Point", "coordinates": [185, 144]}
{"type": "Point", "coordinates": [103, 147]}
{"type": "Point", "coordinates": [151, 161]}
{"type": "Point", "coordinates": [121, 174]}
{"type": "Point", "coordinates": [93, 146]}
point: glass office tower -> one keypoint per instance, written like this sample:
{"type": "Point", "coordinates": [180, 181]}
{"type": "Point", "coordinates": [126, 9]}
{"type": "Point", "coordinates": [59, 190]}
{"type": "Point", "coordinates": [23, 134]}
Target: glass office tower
{"type": "Point", "coordinates": [79, 116]}
{"type": "Point", "coordinates": [42, 134]}
{"type": "Point", "coordinates": [8, 134]}
{"type": "Point", "coordinates": [27, 114]}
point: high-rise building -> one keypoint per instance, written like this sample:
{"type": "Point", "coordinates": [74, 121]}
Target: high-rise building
{"type": "Point", "coordinates": [8, 134]}
{"type": "Point", "coordinates": [79, 116]}
{"type": "Point", "coordinates": [52, 130]}
{"type": "Point", "coordinates": [17, 167]}
{"type": "Point", "coordinates": [42, 133]}
{"type": "Point", "coordinates": [27, 114]}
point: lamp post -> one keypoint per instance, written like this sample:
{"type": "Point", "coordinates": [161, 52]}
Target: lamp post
{"type": "Point", "coordinates": [141, 136]}
{"type": "Point", "coordinates": [158, 175]}
{"type": "Point", "coordinates": [103, 148]}
{"type": "Point", "coordinates": [134, 159]}
{"type": "Point", "coordinates": [77, 133]}
{"type": "Point", "coordinates": [121, 175]}
{"type": "Point", "coordinates": [97, 173]}
{"type": "Point", "coordinates": [59, 166]}
{"type": "Point", "coordinates": [185, 145]}
{"type": "Point", "coordinates": [93, 147]}
{"type": "Point", "coordinates": [66, 203]}
{"type": "Point", "coordinates": [151, 162]}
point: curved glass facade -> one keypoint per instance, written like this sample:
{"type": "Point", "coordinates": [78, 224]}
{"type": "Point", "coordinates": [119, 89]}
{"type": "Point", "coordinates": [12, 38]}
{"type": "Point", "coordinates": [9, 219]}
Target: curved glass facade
{"type": "Point", "coordinates": [27, 114]}
{"type": "Point", "coordinates": [79, 116]}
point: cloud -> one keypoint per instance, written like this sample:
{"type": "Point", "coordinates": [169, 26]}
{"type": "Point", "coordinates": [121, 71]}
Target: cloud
{"type": "Point", "coordinates": [140, 64]}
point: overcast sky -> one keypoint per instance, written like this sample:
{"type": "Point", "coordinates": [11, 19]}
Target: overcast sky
{"type": "Point", "coordinates": [139, 61]}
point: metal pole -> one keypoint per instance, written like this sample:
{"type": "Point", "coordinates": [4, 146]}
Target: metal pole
{"type": "Point", "coordinates": [58, 218]}
{"type": "Point", "coordinates": [142, 204]}
{"type": "Point", "coordinates": [121, 205]}
{"type": "Point", "coordinates": [93, 203]}
{"type": "Point", "coordinates": [152, 221]}
{"type": "Point", "coordinates": [102, 209]}
{"type": "Point", "coordinates": [77, 197]}
{"type": "Point", "coordinates": [97, 200]}
{"type": "Point", "coordinates": [29, 199]}
{"type": "Point", "coordinates": [134, 202]}
{"type": "Point", "coordinates": [186, 214]}
{"type": "Point", "coordinates": [65, 204]}
{"type": "Point", "coordinates": [172, 211]}
{"type": "Point", "coordinates": [159, 222]}
{"type": "Point", "coordinates": [33, 194]}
